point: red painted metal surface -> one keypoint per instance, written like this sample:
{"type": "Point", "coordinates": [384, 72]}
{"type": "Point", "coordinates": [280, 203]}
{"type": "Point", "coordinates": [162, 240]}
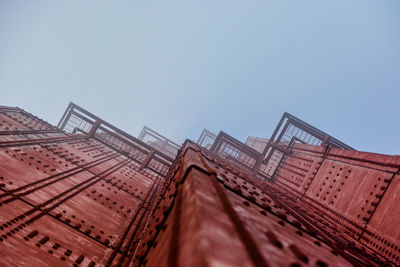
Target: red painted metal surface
{"type": "Point", "coordinates": [92, 195]}
{"type": "Point", "coordinates": [68, 199]}
{"type": "Point", "coordinates": [212, 208]}
{"type": "Point", "coordinates": [257, 143]}
{"type": "Point", "coordinates": [357, 191]}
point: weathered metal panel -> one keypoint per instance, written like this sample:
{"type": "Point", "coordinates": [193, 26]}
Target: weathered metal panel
{"type": "Point", "coordinates": [99, 197]}
{"type": "Point", "coordinates": [356, 190]}
{"type": "Point", "coordinates": [225, 219]}
{"type": "Point", "coordinates": [67, 199]}
{"type": "Point", "coordinates": [383, 231]}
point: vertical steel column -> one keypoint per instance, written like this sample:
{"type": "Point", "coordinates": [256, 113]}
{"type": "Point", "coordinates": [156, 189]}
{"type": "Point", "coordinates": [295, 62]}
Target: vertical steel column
{"type": "Point", "coordinates": [258, 164]}
{"type": "Point", "coordinates": [93, 129]}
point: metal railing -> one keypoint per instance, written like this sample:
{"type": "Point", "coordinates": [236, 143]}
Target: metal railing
{"type": "Point", "coordinates": [290, 130]}
{"type": "Point", "coordinates": [159, 142]}
{"type": "Point", "coordinates": [78, 120]}
{"type": "Point", "coordinates": [234, 150]}
{"type": "Point", "coordinates": [206, 139]}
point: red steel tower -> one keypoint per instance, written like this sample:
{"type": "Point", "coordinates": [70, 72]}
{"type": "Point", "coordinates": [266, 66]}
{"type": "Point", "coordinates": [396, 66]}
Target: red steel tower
{"type": "Point", "coordinates": [85, 193]}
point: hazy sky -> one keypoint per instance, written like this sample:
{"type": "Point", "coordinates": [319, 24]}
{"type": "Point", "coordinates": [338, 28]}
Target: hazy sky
{"type": "Point", "coordinates": [236, 66]}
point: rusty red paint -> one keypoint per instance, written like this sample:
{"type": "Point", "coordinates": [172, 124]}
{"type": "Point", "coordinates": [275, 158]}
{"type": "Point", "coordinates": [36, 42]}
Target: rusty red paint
{"type": "Point", "coordinates": [96, 196]}
{"type": "Point", "coordinates": [66, 199]}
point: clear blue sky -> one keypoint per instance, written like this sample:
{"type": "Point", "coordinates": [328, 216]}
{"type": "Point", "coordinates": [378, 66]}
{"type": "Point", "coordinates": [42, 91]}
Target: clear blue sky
{"type": "Point", "coordinates": [236, 66]}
